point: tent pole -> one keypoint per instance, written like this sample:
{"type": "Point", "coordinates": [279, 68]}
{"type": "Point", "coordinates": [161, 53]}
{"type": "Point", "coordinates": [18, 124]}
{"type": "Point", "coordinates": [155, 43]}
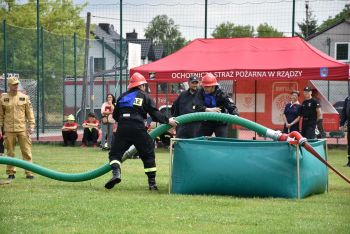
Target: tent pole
{"type": "Point", "coordinates": [255, 97]}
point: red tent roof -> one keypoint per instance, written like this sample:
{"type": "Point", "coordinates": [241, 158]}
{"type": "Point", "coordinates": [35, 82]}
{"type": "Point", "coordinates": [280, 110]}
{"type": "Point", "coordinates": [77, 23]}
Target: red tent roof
{"type": "Point", "coordinates": [247, 58]}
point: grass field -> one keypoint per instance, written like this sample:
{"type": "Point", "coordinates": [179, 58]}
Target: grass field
{"type": "Point", "coordinates": [47, 206]}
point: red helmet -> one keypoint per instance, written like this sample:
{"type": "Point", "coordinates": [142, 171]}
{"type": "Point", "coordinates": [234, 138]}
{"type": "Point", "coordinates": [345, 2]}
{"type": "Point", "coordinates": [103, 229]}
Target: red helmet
{"type": "Point", "coordinates": [136, 80]}
{"type": "Point", "coordinates": [209, 80]}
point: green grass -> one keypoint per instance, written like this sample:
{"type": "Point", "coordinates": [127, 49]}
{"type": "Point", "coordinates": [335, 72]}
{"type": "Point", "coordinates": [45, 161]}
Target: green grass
{"type": "Point", "coordinates": [47, 206]}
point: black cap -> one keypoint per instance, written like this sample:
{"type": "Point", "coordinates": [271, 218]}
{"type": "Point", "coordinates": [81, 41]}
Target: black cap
{"type": "Point", "coordinates": [193, 79]}
{"type": "Point", "coordinates": [307, 88]}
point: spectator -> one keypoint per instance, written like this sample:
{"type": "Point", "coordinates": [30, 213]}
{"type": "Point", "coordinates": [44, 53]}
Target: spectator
{"type": "Point", "coordinates": [184, 104]}
{"type": "Point", "coordinates": [17, 120]}
{"type": "Point", "coordinates": [91, 131]}
{"type": "Point", "coordinates": [212, 99]}
{"type": "Point", "coordinates": [291, 114]}
{"type": "Point", "coordinates": [107, 121]}
{"type": "Point", "coordinates": [311, 113]}
{"type": "Point", "coordinates": [69, 131]}
{"type": "Point", "coordinates": [345, 119]}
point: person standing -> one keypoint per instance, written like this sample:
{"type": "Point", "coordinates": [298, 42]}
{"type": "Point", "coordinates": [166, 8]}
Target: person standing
{"type": "Point", "coordinates": [130, 113]}
{"type": "Point", "coordinates": [311, 113]}
{"type": "Point", "coordinates": [291, 114]}
{"type": "Point", "coordinates": [184, 104]}
{"type": "Point", "coordinates": [212, 99]}
{"type": "Point", "coordinates": [17, 122]}
{"type": "Point", "coordinates": [91, 131]}
{"type": "Point", "coordinates": [107, 121]}
{"type": "Point", "coordinates": [345, 119]}
{"type": "Point", "coordinates": [69, 131]}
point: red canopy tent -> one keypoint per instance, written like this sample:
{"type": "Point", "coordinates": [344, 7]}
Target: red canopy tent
{"type": "Point", "coordinates": [282, 58]}
{"type": "Point", "coordinates": [287, 63]}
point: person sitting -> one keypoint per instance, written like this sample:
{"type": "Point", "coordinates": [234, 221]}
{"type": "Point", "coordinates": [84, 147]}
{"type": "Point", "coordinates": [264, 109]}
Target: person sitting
{"type": "Point", "coordinates": [69, 131]}
{"type": "Point", "coordinates": [91, 131]}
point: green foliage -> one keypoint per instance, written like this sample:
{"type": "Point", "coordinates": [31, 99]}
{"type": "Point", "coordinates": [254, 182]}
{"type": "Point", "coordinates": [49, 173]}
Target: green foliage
{"type": "Point", "coordinates": [162, 30]}
{"type": "Point", "coordinates": [308, 26]}
{"type": "Point", "coordinates": [265, 30]}
{"type": "Point", "coordinates": [230, 30]}
{"type": "Point", "coordinates": [43, 205]}
{"type": "Point", "coordinates": [62, 17]}
{"type": "Point", "coordinates": [344, 14]}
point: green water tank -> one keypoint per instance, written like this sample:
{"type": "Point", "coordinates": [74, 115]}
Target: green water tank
{"type": "Point", "coordinates": [223, 166]}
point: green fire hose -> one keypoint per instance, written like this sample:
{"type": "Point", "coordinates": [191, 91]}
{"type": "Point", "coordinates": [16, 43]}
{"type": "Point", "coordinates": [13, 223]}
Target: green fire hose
{"type": "Point", "coordinates": [201, 116]}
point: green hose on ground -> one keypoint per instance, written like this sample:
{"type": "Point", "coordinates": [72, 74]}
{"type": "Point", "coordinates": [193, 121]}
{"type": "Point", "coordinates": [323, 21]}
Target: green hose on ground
{"type": "Point", "coordinates": [200, 116]}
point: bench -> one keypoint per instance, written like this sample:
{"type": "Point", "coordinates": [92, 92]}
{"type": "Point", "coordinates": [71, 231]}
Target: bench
{"type": "Point", "coordinates": [337, 135]}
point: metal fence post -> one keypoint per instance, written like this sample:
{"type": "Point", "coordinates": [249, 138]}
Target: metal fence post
{"type": "Point", "coordinates": [5, 52]}
{"type": "Point", "coordinates": [63, 76]}
{"type": "Point", "coordinates": [121, 49]}
{"type": "Point", "coordinates": [42, 83]}
{"type": "Point", "coordinates": [205, 18]}
{"type": "Point", "coordinates": [293, 18]}
{"type": "Point", "coordinates": [104, 68]}
{"type": "Point", "coordinates": [115, 73]}
{"type": "Point", "coordinates": [75, 73]}
{"type": "Point", "coordinates": [37, 68]}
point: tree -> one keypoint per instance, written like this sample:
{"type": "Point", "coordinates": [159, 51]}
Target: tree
{"type": "Point", "coordinates": [265, 30]}
{"type": "Point", "coordinates": [344, 14]}
{"type": "Point", "coordinates": [162, 30]}
{"type": "Point", "coordinates": [309, 25]}
{"type": "Point", "coordinates": [61, 17]}
{"type": "Point", "coordinates": [230, 30]}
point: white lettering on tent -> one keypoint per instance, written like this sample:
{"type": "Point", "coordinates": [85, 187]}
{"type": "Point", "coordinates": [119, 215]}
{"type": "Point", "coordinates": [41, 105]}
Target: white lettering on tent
{"type": "Point", "coordinates": [242, 74]}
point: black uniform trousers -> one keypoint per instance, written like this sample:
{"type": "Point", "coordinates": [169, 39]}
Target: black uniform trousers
{"type": "Point", "coordinates": [127, 136]}
{"type": "Point", "coordinates": [308, 129]}
{"type": "Point", "coordinates": [90, 135]}
{"type": "Point", "coordinates": [189, 130]}
{"type": "Point", "coordinates": [69, 136]}
{"type": "Point", "coordinates": [207, 128]}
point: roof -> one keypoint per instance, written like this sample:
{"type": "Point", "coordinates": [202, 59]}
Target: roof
{"type": "Point", "coordinates": [286, 58]}
{"type": "Point", "coordinates": [111, 37]}
{"type": "Point", "coordinates": [327, 28]}
{"type": "Point", "coordinates": [158, 51]}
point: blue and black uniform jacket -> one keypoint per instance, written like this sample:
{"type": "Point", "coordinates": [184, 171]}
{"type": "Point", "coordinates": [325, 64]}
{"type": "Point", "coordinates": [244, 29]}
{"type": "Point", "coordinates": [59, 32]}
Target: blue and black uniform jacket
{"type": "Point", "coordinates": [132, 108]}
{"type": "Point", "coordinates": [216, 99]}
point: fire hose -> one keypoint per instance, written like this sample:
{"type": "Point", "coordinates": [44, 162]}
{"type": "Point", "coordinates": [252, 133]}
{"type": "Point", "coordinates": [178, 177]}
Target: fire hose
{"type": "Point", "coordinates": [201, 116]}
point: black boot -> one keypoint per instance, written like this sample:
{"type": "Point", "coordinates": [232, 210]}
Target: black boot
{"type": "Point", "coordinates": [348, 165]}
{"type": "Point", "coordinates": [152, 184]}
{"type": "Point", "coordinates": [116, 176]}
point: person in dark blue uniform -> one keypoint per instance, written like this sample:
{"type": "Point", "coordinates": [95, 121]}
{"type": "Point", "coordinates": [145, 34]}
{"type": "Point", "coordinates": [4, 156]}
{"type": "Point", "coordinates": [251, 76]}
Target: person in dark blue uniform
{"type": "Point", "coordinates": [345, 119]}
{"type": "Point", "coordinates": [212, 99]}
{"type": "Point", "coordinates": [291, 114]}
{"type": "Point", "coordinates": [184, 104]}
{"type": "Point", "coordinates": [311, 113]}
{"type": "Point", "coordinates": [130, 113]}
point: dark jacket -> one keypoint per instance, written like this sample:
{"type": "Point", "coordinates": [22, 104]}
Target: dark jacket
{"type": "Point", "coordinates": [184, 104]}
{"type": "Point", "coordinates": [132, 108]}
{"type": "Point", "coordinates": [345, 112]}
{"type": "Point", "coordinates": [216, 99]}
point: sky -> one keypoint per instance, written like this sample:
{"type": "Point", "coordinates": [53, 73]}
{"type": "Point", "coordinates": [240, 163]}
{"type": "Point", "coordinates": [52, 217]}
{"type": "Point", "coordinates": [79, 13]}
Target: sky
{"type": "Point", "coordinates": [188, 15]}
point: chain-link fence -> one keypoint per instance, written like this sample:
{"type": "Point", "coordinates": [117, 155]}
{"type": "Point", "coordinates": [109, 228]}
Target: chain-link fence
{"type": "Point", "coordinates": [58, 87]}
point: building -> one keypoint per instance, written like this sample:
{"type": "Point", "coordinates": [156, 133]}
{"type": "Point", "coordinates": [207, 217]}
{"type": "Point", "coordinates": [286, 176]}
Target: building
{"type": "Point", "coordinates": [106, 58]}
{"type": "Point", "coordinates": [335, 42]}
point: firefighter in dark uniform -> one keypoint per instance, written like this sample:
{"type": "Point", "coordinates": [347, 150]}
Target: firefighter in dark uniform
{"type": "Point", "coordinates": [345, 119]}
{"type": "Point", "coordinates": [184, 104]}
{"type": "Point", "coordinates": [212, 99]}
{"type": "Point", "coordinates": [130, 112]}
{"type": "Point", "coordinates": [311, 113]}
